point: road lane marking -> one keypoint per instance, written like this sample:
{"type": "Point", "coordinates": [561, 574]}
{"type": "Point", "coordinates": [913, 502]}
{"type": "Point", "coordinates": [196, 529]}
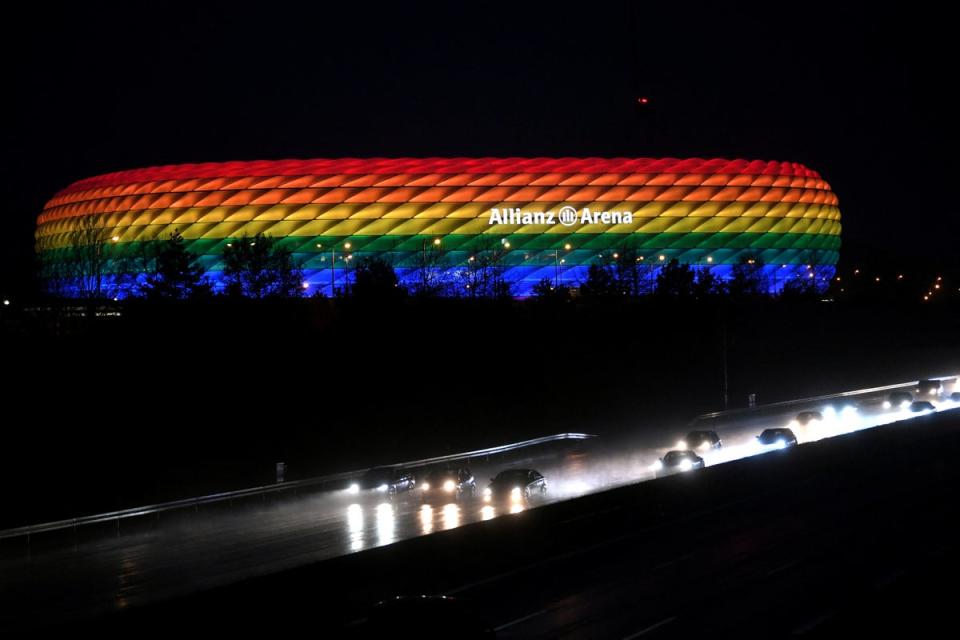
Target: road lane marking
{"type": "Point", "coordinates": [783, 567]}
{"type": "Point", "coordinates": [519, 620]}
{"type": "Point", "coordinates": [887, 580]}
{"type": "Point", "coordinates": [652, 627]}
{"type": "Point", "coordinates": [814, 623]}
{"type": "Point", "coordinates": [664, 565]}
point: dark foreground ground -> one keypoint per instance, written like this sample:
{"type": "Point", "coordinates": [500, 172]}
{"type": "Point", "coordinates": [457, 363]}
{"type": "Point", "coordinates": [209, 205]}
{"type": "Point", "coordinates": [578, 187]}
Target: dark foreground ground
{"type": "Point", "coordinates": [853, 536]}
{"type": "Point", "coordinates": [163, 403]}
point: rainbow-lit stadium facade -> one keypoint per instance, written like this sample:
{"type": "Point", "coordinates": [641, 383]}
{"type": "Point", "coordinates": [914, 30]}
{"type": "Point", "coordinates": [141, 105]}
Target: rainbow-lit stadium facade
{"type": "Point", "coordinates": [708, 213]}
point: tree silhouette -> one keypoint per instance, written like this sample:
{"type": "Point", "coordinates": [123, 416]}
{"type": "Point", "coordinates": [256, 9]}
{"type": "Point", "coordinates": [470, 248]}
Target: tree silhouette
{"type": "Point", "coordinates": [747, 280]}
{"type": "Point", "coordinates": [178, 275]}
{"type": "Point", "coordinates": [675, 280]}
{"type": "Point", "coordinates": [545, 290]}
{"type": "Point", "coordinates": [707, 285]}
{"type": "Point", "coordinates": [800, 288]}
{"type": "Point", "coordinates": [93, 264]}
{"type": "Point", "coordinates": [601, 282]}
{"type": "Point", "coordinates": [375, 279]}
{"type": "Point", "coordinates": [429, 278]}
{"type": "Point", "coordinates": [629, 272]}
{"type": "Point", "coordinates": [484, 273]}
{"type": "Point", "coordinates": [259, 268]}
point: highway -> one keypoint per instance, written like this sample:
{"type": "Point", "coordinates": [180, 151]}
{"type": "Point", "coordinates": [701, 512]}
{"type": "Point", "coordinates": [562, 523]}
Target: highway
{"type": "Point", "coordinates": [781, 561]}
{"type": "Point", "coordinates": [76, 578]}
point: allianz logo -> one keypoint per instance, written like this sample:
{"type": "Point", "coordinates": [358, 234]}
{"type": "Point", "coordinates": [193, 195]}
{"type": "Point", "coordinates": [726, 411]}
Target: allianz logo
{"type": "Point", "coordinates": [567, 216]}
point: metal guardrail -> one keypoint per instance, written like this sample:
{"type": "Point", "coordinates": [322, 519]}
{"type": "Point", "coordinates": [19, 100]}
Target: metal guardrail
{"type": "Point", "coordinates": [74, 523]}
{"type": "Point", "coordinates": [811, 400]}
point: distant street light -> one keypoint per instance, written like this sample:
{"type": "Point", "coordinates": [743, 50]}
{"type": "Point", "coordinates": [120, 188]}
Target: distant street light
{"type": "Point", "coordinates": [423, 249]}
{"type": "Point", "coordinates": [333, 264]}
{"type": "Point", "coordinates": [557, 263]}
{"type": "Point", "coordinates": [423, 258]}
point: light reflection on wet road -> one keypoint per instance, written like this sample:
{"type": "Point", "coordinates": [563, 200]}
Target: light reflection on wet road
{"type": "Point", "coordinates": [205, 550]}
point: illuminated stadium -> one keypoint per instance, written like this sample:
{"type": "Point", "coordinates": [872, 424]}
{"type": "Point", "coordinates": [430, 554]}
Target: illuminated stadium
{"type": "Point", "coordinates": [542, 218]}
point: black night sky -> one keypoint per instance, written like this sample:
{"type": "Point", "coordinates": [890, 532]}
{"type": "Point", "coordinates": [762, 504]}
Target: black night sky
{"type": "Point", "coordinates": [861, 93]}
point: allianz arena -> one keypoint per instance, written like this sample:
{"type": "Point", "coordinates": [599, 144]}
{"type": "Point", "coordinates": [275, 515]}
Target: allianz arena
{"type": "Point", "coordinates": [708, 213]}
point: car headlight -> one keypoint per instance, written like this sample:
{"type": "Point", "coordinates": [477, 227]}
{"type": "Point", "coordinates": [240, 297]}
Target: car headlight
{"type": "Point", "coordinates": [686, 465]}
{"type": "Point", "coordinates": [354, 488]}
{"type": "Point", "coordinates": [905, 404]}
{"type": "Point", "coordinates": [886, 404]}
{"type": "Point", "coordinates": [449, 486]}
{"type": "Point", "coordinates": [515, 493]}
{"type": "Point", "coordinates": [682, 445]}
{"type": "Point", "coordinates": [487, 494]}
{"type": "Point", "coordinates": [426, 486]}
{"type": "Point", "coordinates": [657, 466]}
{"type": "Point", "coordinates": [793, 424]}
{"type": "Point", "coordinates": [704, 446]}
{"type": "Point", "coordinates": [932, 392]}
{"type": "Point", "coordinates": [382, 487]}
{"type": "Point", "coordinates": [780, 444]}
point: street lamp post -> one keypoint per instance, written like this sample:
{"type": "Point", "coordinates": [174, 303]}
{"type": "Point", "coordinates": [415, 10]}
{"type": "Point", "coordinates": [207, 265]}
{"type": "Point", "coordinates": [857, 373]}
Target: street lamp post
{"type": "Point", "coordinates": [556, 268]}
{"type": "Point", "coordinates": [423, 260]}
{"type": "Point", "coordinates": [423, 248]}
{"type": "Point", "coordinates": [98, 266]}
{"type": "Point", "coordinates": [333, 264]}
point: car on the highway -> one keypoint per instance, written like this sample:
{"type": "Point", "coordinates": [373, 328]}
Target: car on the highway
{"type": "Point", "coordinates": [453, 483]}
{"type": "Point", "coordinates": [779, 437]}
{"type": "Point", "coordinates": [842, 413]}
{"type": "Point", "coordinates": [846, 408]}
{"type": "Point", "coordinates": [898, 400]}
{"type": "Point", "coordinates": [921, 406]}
{"type": "Point", "coordinates": [516, 485]}
{"type": "Point", "coordinates": [806, 418]}
{"type": "Point", "coordinates": [677, 461]}
{"type": "Point", "coordinates": [386, 480]}
{"type": "Point", "coordinates": [700, 440]}
{"type": "Point", "coordinates": [929, 388]}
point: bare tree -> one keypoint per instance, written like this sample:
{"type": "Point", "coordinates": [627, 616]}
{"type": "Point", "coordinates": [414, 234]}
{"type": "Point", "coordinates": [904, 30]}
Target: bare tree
{"type": "Point", "coordinates": [258, 267]}
{"type": "Point", "coordinates": [429, 276]}
{"type": "Point", "coordinates": [484, 275]}
{"type": "Point", "coordinates": [629, 271]}
{"type": "Point", "coordinates": [92, 265]}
